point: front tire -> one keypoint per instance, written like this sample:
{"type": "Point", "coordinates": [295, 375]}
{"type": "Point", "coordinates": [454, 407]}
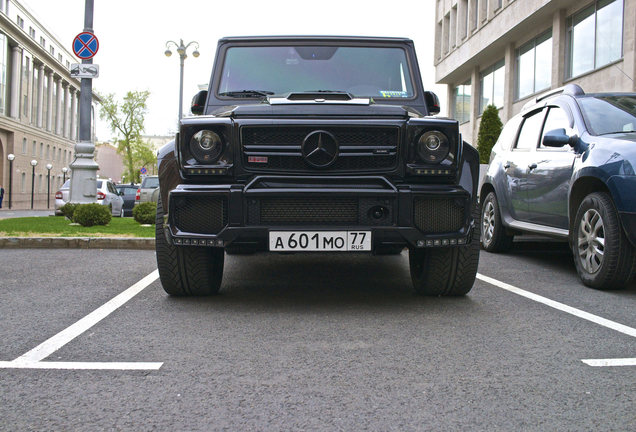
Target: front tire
{"type": "Point", "coordinates": [448, 271]}
{"type": "Point", "coordinates": [187, 270]}
{"type": "Point", "coordinates": [493, 234]}
{"type": "Point", "coordinates": [603, 256]}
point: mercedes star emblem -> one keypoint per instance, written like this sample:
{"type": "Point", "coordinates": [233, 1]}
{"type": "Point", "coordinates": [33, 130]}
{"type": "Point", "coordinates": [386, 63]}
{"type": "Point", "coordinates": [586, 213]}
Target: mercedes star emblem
{"type": "Point", "coordinates": [320, 149]}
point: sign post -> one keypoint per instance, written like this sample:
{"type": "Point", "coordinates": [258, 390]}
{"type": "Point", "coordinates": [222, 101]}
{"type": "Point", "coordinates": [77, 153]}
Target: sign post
{"type": "Point", "coordinates": [84, 180]}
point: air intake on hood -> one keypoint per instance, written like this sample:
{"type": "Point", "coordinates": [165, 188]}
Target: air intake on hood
{"type": "Point", "coordinates": [326, 97]}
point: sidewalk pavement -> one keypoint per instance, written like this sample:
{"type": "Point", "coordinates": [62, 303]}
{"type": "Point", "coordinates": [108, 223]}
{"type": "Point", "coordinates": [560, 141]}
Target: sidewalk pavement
{"type": "Point", "coordinates": [67, 242]}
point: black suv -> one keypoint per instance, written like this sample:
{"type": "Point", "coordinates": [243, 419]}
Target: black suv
{"type": "Point", "coordinates": [563, 167]}
{"type": "Point", "coordinates": [317, 144]}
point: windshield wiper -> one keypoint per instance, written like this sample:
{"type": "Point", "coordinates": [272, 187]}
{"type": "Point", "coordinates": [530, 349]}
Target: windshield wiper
{"type": "Point", "coordinates": [617, 132]}
{"type": "Point", "coordinates": [246, 93]}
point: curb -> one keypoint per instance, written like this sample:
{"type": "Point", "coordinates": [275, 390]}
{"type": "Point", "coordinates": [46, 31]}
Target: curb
{"type": "Point", "coordinates": [77, 243]}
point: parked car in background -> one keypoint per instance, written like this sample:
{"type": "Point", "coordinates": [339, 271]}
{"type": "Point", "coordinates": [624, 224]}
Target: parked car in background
{"type": "Point", "coordinates": [129, 193]}
{"type": "Point", "coordinates": [148, 190]}
{"type": "Point", "coordinates": [564, 167]}
{"type": "Point", "coordinates": [107, 195]}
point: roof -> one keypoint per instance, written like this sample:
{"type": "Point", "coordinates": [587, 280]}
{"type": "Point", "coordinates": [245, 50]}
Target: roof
{"type": "Point", "coordinates": [314, 39]}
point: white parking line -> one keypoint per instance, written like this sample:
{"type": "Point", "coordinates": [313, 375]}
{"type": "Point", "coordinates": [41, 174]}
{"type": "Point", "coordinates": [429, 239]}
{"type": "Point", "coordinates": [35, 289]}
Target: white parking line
{"type": "Point", "coordinates": [610, 362]}
{"type": "Point", "coordinates": [572, 311]}
{"type": "Point", "coordinates": [33, 359]}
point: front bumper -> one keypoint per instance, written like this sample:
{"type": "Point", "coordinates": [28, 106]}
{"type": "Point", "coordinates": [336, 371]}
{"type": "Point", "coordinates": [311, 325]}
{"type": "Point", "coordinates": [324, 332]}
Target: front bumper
{"type": "Point", "coordinates": [241, 216]}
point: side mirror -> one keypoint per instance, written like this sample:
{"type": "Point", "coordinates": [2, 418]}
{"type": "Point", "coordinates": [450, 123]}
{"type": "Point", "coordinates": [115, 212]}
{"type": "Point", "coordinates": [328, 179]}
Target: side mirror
{"type": "Point", "coordinates": [198, 102]}
{"type": "Point", "coordinates": [432, 102]}
{"type": "Point", "coordinates": [558, 138]}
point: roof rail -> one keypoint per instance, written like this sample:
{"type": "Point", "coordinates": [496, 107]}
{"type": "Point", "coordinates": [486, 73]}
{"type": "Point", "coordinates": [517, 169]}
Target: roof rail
{"type": "Point", "coordinates": [569, 89]}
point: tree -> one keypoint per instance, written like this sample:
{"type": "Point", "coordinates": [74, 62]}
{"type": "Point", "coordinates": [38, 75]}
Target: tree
{"type": "Point", "coordinates": [489, 130]}
{"type": "Point", "coordinates": [127, 123]}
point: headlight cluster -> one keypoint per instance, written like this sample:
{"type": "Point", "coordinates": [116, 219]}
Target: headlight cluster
{"type": "Point", "coordinates": [432, 147]}
{"type": "Point", "coordinates": [206, 146]}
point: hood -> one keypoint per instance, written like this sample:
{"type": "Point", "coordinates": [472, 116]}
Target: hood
{"type": "Point", "coordinates": [325, 109]}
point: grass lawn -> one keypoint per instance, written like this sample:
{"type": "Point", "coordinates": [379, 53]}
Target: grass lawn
{"type": "Point", "coordinates": [59, 226]}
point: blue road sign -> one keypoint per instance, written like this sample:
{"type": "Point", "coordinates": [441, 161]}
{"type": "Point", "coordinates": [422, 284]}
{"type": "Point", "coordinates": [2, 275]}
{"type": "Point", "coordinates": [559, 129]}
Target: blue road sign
{"type": "Point", "coordinates": [85, 45]}
{"type": "Point", "coordinates": [143, 170]}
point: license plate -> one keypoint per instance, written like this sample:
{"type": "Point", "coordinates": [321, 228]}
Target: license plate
{"type": "Point", "coordinates": [313, 241]}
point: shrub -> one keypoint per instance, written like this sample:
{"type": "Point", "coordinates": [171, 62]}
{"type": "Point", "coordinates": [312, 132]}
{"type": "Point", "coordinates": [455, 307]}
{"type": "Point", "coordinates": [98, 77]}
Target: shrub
{"type": "Point", "coordinates": [68, 209]}
{"type": "Point", "coordinates": [92, 214]}
{"type": "Point", "coordinates": [489, 130]}
{"type": "Point", "coordinates": [145, 213]}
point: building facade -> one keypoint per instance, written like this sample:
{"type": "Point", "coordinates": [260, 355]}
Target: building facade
{"type": "Point", "coordinates": [504, 52]}
{"type": "Point", "coordinates": [38, 108]}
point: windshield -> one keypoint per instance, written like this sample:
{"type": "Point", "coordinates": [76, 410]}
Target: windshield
{"type": "Point", "coordinates": [377, 72]}
{"type": "Point", "coordinates": [609, 114]}
{"type": "Point", "coordinates": [150, 182]}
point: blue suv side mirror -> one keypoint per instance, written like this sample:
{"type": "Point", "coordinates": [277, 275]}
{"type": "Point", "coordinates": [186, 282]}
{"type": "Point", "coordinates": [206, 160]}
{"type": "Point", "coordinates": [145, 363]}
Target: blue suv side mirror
{"type": "Point", "coordinates": [558, 138]}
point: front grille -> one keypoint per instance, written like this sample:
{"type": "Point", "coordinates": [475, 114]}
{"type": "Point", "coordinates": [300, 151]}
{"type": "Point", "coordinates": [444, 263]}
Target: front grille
{"type": "Point", "coordinates": [361, 148]}
{"type": "Point", "coordinates": [315, 211]}
{"type": "Point", "coordinates": [200, 214]}
{"type": "Point", "coordinates": [438, 215]}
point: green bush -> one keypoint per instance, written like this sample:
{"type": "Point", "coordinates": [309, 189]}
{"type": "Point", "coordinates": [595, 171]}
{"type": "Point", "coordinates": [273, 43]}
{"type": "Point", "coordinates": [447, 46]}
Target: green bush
{"type": "Point", "coordinates": [68, 209]}
{"type": "Point", "coordinates": [145, 213]}
{"type": "Point", "coordinates": [489, 130]}
{"type": "Point", "coordinates": [92, 214]}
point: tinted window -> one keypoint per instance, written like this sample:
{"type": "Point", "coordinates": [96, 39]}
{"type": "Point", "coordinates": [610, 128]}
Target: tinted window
{"type": "Point", "coordinates": [529, 135]}
{"type": "Point", "coordinates": [509, 133]}
{"type": "Point", "coordinates": [128, 191]}
{"type": "Point", "coordinates": [557, 119]}
{"type": "Point", "coordinates": [283, 69]}
{"type": "Point", "coordinates": [99, 184]}
{"type": "Point", "coordinates": [609, 114]}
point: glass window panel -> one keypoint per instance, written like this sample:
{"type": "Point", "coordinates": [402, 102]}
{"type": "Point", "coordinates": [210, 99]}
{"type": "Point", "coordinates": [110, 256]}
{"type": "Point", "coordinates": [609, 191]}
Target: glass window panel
{"type": "Point", "coordinates": [529, 134]}
{"type": "Point", "coordinates": [486, 91]}
{"type": "Point", "coordinates": [582, 41]}
{"type": "Point", "coordinates": [609, 114]}
{"type": "Point", "coordinates": [499, 85]}
{"type": "Point", "coordinates": [543, 64]}
{"type": "Point", "coordinates": [525, 74]}
{"type": "Point", "coordinates": [609, 31]}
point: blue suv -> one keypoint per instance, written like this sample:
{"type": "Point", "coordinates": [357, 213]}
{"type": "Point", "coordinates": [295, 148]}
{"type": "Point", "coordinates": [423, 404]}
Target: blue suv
{"type": "Point", "coordinates": [564, 167]}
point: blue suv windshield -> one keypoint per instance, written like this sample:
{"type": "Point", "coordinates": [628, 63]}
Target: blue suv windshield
{"type": "Point", "coordinates": [377, 72]}
{"type": "Point", "coordinates": [609, 114]}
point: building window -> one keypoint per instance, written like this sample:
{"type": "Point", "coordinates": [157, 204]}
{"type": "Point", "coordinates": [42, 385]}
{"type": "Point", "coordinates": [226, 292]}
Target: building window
{"type": "Point", "coordinates": [52, 50]}
{"type": "Point", "coordinates": [34, 149]}
{"type": "Point", "coordinates": [594, 37]}
{"type": "Point", "coordinates": [59, 58]}
{"type": "Point", "coordinates": [475, 15]}
{"type": "Point", "coordinates": [453, 28]}
{"type": "Point", "coordinates": [40, 185]}
{"type": "Point", "coordinates": [534, 66]}
{"type": "Point", "coordinates": [446, 35]}
{"type": "Point", "coordinates": [42, 41]}
{"type": "Point", "coordinates": [48, 151]}
{"type": "Point", "coordinates": [41, 150]}
{"type": "Point", "coordinates": [24, 145]}
{"type": "Point", "coordinates": [462, 102]}
{"type": "Point", "coordinates": [23, 183]}
{"type": "Point", "coordinates": [32, 32]}
{"type": "Point", "coordinates": [492, 86]}
{"type": "Point", "coordinates": [20, 22]}
{"type": "Point", "coordinates": [463, 19]}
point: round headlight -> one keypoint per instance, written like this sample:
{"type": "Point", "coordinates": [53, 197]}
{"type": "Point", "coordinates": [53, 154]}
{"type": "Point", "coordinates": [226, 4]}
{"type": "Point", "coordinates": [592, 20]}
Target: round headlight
{"type": "Point", "coordinates": [206, 146]}
{"type": "Point", "coordinates": [432, 147]}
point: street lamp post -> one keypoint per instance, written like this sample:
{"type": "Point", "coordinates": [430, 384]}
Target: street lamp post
{"type": "Point", "coordinates": [64, 171]}
{"type": "Point", "coordinates": [48, 185]}
{"type": "Point", "coordinates": [11, 157]}
{"type": "Point", "coordinates": [33, 164]}
{"type": "Point", "coordinates": [181, 50]}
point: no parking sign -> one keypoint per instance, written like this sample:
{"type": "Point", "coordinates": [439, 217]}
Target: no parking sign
{"type": "Point", "coordinates": [85, 45]}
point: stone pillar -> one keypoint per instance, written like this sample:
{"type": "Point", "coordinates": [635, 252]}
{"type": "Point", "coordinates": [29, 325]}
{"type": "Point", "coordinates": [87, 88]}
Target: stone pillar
{"type": "Point", "coordinates": [15, 82]}
{"type": "Point", "coordinates": [509, 82]}
{"type": "Point", "coordinates": [59, 111]}
{"type": "Point", "coordinates": [558, 49]}
{"type": "Point", "coordinates": [65, 128]}
{"type": "Point", "coordinates": [474, 102]}
{"type": "Point", "coordinates": [49, 102]}
{"type": "Point", "coordinates": [41, 122]}
{"type": "Point", "coordinates": [29, 101]}
{"type": "Point", "coordinates": [73, 113]}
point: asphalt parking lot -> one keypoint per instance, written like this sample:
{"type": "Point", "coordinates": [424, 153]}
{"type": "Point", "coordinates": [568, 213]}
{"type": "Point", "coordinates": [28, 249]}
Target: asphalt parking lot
{"type": "Point", "coordinates": [311, 342]}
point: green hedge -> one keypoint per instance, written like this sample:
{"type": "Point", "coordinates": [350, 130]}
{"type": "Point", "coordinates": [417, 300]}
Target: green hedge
{"type": "Point", "coordinates": [92, 214]}
{"type": "Point", "coordinates": [489, 130]}
{"type": "Point", "coordinates": [145, 213]}
{"type": "Point", "coordinates": [68, 209]}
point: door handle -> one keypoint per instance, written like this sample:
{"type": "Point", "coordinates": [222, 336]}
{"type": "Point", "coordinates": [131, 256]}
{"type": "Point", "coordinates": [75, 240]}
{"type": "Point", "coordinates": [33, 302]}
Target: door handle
{"type": "Point", "coordinates": [532, 166]}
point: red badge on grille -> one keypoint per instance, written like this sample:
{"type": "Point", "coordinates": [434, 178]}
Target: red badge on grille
{"type": "Point", "coordinates": [257, 159]}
